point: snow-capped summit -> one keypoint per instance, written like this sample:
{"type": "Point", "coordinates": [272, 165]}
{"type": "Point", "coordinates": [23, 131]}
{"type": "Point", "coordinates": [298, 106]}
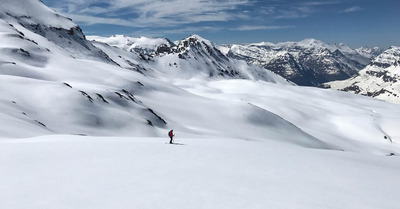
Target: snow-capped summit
{"type": "Point", "coordinates": [263, 44]}
{"type": "Point", "coordinates": [310, 43]}
{"type": "Point", "coordinates": [192, 40]}
{"type": "Point", "coordinates": [380, 79]}
{"type": "Point", "coordinates": [311, 62]}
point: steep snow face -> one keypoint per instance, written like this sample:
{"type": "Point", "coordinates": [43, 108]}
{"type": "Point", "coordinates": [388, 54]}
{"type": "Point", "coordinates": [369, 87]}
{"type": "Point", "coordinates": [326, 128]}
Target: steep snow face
{"type": "Point", "coordinates": [34, 16]}
{"type": "Point", "coordinates": [309, 62]}
{"type": "Point", "coordinates": [33, 12]}
{"type": "Point", "coordinates": [380, 79]}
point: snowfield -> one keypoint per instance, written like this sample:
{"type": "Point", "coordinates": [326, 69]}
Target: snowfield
{"type": "Point", "coordinates": [95, 172]}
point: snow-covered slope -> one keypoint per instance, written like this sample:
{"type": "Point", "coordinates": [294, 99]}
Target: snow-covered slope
{"type": "Point", "coordinates": [66, 172]}
{"type": "Point", "coordinates": [380, 79]}
{"type": "Point", "coordinates": [309, 62]}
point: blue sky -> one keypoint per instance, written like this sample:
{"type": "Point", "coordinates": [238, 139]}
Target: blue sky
{"type": "Point", "coordinates": [353, 22]}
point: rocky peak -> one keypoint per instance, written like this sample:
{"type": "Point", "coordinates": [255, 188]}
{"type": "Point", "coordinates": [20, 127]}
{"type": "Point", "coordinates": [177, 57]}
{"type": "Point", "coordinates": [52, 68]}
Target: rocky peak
{"type": "Point", "coordinates": [390, 57]}
{"type": "Point", "coordinates": [193, 41]}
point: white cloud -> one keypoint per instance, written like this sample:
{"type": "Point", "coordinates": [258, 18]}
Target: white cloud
{"type": "Point", "coordinates": [185, 30]}
{"type": "Point", "coordinates": [260, 27]}
{"type": "Point", "coordinates": [320, 3]}
{"type": "Point", "coordinates": [145, 13]}
{"type": "Point", "coordinates": [353, 9]}
{"type": "Point", "coordinates": [298, 12]}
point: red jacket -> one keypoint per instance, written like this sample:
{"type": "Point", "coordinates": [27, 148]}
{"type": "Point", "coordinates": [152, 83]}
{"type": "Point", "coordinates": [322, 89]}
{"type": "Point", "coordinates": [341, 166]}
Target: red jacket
{"type": "Point", "coordinates": [171, 134]}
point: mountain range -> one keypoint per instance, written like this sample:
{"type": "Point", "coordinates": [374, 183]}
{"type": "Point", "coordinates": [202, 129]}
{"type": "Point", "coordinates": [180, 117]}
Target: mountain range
{"type": "Point", "coordinates": [309, 62]}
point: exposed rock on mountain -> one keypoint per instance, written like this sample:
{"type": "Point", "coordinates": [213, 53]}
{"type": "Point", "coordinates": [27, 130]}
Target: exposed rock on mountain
{"type": "Point", "coordinates": [191, 57]}
{"type": "Point", "coordinates": [36, 17]}
{"type": "Point", "coordinates": [379, 79]}
{"type": "Point", "coordinates": [309, 62]}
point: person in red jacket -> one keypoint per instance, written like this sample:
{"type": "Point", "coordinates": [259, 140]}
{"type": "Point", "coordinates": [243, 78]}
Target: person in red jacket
{"type": "Point", "coordinates": [171, 136]}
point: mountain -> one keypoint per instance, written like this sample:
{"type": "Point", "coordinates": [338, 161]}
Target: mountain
{"type": "Point", "coordinates": [191, 57]}
{"type": "Point", "coordinates": [309, 62]}
{"type": "Point", "coordinates": [380, 79]}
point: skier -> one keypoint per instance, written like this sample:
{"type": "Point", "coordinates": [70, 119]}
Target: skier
{"type": "Point", "coordinates": [171, 136]}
